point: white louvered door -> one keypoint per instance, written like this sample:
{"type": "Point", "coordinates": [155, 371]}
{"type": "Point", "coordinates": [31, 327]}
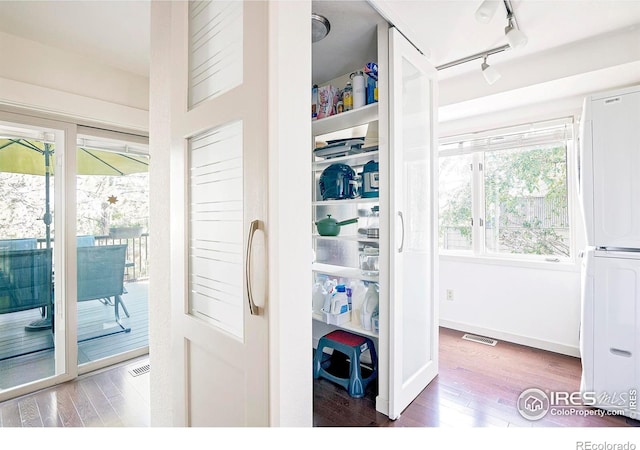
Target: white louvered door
{"type": "Point", "coordinates": [219, 195]}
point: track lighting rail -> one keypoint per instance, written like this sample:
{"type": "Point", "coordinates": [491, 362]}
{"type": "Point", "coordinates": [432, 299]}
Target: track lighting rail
{"type": "Point", "coordinates": [512, 25]}
{"type": "Point", "coordinates": [480, 55]}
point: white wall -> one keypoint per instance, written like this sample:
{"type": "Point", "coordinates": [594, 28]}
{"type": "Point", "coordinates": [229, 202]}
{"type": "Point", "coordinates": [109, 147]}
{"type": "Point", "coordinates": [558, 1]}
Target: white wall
{"type": "Point", "coordinates": [50, 80]}
{"type": "Point", "coordinates": [535, 305]}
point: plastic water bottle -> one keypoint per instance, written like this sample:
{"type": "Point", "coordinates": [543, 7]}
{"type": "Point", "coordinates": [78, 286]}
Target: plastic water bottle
{"type": "Point", "coordinates": [347, 97]}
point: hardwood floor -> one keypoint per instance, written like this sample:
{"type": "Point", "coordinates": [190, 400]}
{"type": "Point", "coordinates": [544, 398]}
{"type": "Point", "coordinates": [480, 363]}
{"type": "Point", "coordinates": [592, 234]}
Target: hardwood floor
{"type": "Point", "coordinates": [107, 398]}
{"type": "Point", "coordinates": [477, 386]}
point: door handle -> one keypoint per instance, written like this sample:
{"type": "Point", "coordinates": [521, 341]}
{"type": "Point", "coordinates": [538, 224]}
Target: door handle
{"type": "Point", "coordinates": [619, 352]}
{"type": "Point", "coordinates": [402, 228]}
{"type": "Point", "coordinates": [253, 227]}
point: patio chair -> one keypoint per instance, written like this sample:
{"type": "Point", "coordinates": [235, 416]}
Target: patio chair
{"type": "Point", "coordinates": [18, 244]}
{"type": "Point", "coordinates": [87, 240]}
{"type": "Point", "coordinates": [101, 275]}
{"type": "Point", "coordinates": [24, 244]}
{"type": "Point", "coordinates": [25, 280]}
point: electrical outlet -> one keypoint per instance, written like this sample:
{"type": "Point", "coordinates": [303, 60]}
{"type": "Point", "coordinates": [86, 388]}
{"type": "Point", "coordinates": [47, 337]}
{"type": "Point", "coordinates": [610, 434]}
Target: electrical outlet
{"type": "Point", "coordinates": [450, 295]}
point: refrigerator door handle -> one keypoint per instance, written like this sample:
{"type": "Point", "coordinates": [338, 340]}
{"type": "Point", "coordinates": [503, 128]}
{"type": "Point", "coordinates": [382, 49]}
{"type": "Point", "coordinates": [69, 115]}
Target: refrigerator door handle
{"type": "Point", "coordinates": [619, 352]}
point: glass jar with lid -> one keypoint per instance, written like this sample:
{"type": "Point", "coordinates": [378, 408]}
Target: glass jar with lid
{"type": "Point", "coordinates": [369, 260]}
{"type": "Point", "coordinates": [373, 223]}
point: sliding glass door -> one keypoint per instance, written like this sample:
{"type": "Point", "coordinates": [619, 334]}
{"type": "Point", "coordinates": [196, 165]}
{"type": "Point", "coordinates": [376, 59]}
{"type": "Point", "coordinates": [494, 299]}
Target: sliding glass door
{"type": "Point", "coordinates": [74, 243]}
{"type": "Point", "coordinates": [32, 348]}
{"type": "Point", "coordinates": [112, 210]}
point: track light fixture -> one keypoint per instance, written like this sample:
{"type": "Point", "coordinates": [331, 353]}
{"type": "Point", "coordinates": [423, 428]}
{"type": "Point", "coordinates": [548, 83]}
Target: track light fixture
{"type": "Point", "coordinates": [515, 37]}
{"type": "Point", "coordinates": [487, 10]}
{"type": "Point", "coordinates": [491, 75]}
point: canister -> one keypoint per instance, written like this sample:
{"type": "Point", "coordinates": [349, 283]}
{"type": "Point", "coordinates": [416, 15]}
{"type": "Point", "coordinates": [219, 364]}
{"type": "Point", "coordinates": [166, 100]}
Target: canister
{"type": "Point", "coordinates": [359, 89]}
{"type": "Point", "coordinates": [370, 180]}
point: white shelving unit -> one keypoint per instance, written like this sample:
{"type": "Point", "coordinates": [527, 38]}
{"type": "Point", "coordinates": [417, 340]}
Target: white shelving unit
{"type": "Point", "coordinates": [338, 255]}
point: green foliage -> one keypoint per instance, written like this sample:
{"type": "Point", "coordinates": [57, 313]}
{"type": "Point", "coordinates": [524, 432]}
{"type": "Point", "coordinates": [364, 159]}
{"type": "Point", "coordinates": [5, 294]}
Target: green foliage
{"type": "Point", "coordinates": [526, 208]}
{"type": "Point", "coordinates": [22, 204]}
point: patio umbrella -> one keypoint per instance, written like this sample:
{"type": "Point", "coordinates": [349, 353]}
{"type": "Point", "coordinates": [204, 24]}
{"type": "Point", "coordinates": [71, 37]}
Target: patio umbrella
{"type": "Point", "coordinates": [32, 157]}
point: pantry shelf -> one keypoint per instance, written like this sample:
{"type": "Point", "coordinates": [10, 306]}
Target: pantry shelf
{"type": "Point", "coordinates": [344, 272]}
{"type": "Point", "coordinates": [344, 120]}
{"type": "Point", "coordinates": [350, 326]}
{"type": "Point", "coordinates": [354, 237]}
{"type": "Point", "coordinates": [358, 159]}
{"type": "Point", "coordinates": [346, 201]}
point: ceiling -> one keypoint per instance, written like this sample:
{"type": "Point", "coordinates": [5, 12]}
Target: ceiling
{"type": "Point", "coordinates": [446, 30]}
{"type": "Point", "coordinates": [117, 32]}
{"type": "Point", "coordinates": [114, 32]}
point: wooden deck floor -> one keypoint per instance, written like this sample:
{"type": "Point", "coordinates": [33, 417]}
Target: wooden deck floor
{"type": "Point", "coordinates": [28, 355]}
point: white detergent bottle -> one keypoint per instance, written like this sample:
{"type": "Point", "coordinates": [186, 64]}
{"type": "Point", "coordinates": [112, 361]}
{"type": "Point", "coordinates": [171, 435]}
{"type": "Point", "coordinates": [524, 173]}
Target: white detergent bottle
{"type": "Point", "coordinates": [340, 302]}
{"type": "Point", "coordinates": [370, 305]}
{"type": "Point", "coordinates": [358, 291]}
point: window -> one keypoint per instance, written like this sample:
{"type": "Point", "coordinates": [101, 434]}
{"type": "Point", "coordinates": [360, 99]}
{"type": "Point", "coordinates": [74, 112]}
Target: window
{"type": "Point", "coordinates": [505, 192]}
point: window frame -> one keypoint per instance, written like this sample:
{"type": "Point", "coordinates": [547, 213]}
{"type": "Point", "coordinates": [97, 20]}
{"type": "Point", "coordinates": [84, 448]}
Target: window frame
{"type": "Point", "coordinates": [478, 252]}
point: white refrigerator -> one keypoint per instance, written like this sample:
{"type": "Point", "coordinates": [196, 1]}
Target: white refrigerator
{"type": "Point", "coordinates": [610, 199]}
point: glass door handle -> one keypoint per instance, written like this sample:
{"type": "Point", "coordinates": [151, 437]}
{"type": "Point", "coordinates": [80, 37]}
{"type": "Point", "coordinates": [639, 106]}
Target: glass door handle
{"type": "Point", "coordinates": [402, 228]}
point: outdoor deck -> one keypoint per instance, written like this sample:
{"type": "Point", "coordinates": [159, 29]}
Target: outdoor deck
{"type": "Point", "coordinates": [96, 325]}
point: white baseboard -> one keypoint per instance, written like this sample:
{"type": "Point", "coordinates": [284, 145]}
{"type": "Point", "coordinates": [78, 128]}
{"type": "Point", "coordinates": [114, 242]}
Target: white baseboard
{"type": "Point", "coordinates": [514, 338]}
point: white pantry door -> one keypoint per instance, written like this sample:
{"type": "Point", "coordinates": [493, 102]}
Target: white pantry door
{"type": "Point", "coordinates": [219, 199]}
{"type": "Point", "coordinates": [413, 294]}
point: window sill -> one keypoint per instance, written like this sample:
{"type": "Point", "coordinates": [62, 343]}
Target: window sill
{"type": "Point", "coordinates": [569, 265]}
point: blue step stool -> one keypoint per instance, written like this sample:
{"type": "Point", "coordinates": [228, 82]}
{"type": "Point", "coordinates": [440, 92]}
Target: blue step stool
{"type": "Point", "coordinates": [352, 346]}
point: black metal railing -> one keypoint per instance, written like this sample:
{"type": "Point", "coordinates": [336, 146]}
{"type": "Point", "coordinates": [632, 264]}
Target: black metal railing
{"type": "Point", "coordinates": [137, 266]}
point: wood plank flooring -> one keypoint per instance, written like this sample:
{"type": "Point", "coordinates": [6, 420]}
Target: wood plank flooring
{"type": "Point", "coordinates": [477, 386]}
{"type": "Point", "coordinates": [106, 398]}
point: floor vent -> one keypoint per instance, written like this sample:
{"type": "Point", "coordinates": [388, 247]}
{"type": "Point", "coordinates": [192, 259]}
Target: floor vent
{"type": "Point", "coordinates": [480, 339]}
{"type": "Point", "coordinates": [140, 370]}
